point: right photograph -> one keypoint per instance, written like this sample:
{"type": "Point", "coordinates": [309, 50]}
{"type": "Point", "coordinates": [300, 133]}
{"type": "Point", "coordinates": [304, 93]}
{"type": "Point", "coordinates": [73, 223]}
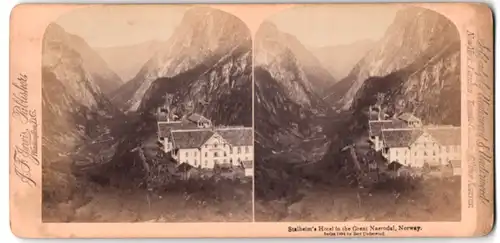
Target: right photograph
{"type": "Point", "coordinates": [357, 115]}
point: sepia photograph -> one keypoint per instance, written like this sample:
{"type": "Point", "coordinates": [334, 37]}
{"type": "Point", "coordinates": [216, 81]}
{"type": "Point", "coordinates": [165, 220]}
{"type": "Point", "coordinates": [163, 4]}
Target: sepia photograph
{"type": "Point", "coordinates": [251, 120]}
{"type": "Point", "coordinates": [357, 115]}
{"type": "Point", "coordinates": [147, 115]}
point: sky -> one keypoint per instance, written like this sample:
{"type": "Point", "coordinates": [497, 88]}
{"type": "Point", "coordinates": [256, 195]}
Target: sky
{"type": "Point", "coordinates": [122, 25]}
{"type": "Point", "coordinates": [324, 25]}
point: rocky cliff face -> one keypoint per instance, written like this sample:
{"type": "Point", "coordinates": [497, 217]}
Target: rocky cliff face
{"type": "Point", "coordinates": [288, 83]}
{"type": "Point", "coordinates": [71, 88]}
{"type": "Point", "coordinates": [290, 63]}
{"type": "Point", "coordinates": [414, 41]}
{"type": "Point", "coordinates": [74, 107]}
{"type": "Point", "coordinates": [209, 72]}
{"type": "Point", "coordinates": [203, 35]}
{"type": "Point", "coordinates": [60, 51]}
{"type": "Point", "coordinates": [422, 77]}
{"type": "Point", "coordinates": [221, 92]}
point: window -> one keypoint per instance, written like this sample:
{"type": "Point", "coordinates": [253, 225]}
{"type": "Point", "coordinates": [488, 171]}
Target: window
{"type": "Point", "coordinates": [396, 153]}
{"type": "Point", "coordinates": [206, 154]}
{"type": "Point", "coordinates": [239, 150]}
{"type": "Point", "coordinates": [225, 154]}
{"type": "Point", "coordinates": [425, 153]}
{"type": "Point", "coordinates": [194, 153]}
{"type": "Point", "coordinates": [415, 153]}
{"type": "Point", "coordinates": [216, 161]}
{"type": "Point", "coordinates": [246, 149]}
{"type": "Point", "coordinates": [215, 145]}
{"type": "Point", "coordinates": [195, 162]}
{"type": "Point", "coordinates": [230, 151]}
{"type": "Point", "coordinates": [447, 149]}
{"type": "Point", "coordinates": [216, 154]}
{"type": "Point", "coordinates": [225, 161]}
{"type": "Point", "coordinates": [187, 154]}
{"type": "Point", "coordinates": [206, 145]}
{"type": "Point", "coordinates": [434, 153]}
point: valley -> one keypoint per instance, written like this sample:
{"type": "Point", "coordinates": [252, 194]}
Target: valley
{"type": "Point", "coordinates": [100, 142]}
{"type": "Point", "coordinates": [311, 135]}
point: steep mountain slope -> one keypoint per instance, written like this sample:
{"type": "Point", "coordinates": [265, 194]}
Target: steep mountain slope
{"type": "Point", "coordinates": [279, 120]}
{"type": "Point", "coordinates": [126, 61]}
{"type": "Point", "coordinates": [428, 84]}
{"type": "Point", "coordinates": [204, 34]}
{"type": "Point", "coordinates": [290, 63]}
{"type": "Point", "coordinates": [288, 80]}
{"type": "Point", "coordinates": [416, 67]}
{"type": "Point", "coordinates": [415, 33]}
{"type": "Point", "coordinates": [73, 106]}
{"type": "Point", "coordinates": [429, 88]}
{"type": "Point", "coordinates": [340, 59]}
{"type": "Point", "coordinates": [221, 92]}
{"type": "Point", "coordinates": [103, 77]}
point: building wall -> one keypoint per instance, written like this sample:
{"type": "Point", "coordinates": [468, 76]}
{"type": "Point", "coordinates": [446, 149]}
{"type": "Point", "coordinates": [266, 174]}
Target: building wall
{"type": "Point", "coordinates": [167, 145]}
{"type": "Point", "coordinates": [214, 154]}
{"type": "Point", "coordinates": [400, 155]}
{"type": "Point", "coordinates": [424, 150]}
{"type": "Point", "coordinates": [452, 152]}
{"type": "Point", "coordinates": [241, 153]}
{"type": "Point", "coordinates": [249, 172]}
{"type": "Point", "coordinates": [215, 151]}
{"type": "Point", "coordinates": [190, 156]}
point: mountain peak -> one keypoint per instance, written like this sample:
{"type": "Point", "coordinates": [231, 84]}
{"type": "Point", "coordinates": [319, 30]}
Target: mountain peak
{"type": "Point", "coordinates": [203, 35]}
{"type": "Point", "coordinates": [64, 53]}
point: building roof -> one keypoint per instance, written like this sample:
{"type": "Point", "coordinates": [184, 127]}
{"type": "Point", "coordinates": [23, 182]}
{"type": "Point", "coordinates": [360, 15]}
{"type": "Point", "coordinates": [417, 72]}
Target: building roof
{"type": "Point", "coordinates": [165, 128]}
{"type": "Point", "coordinates": [408, 117]}
{"type": "Point", "coordinates": [377, 126]}
{"type": "Point", "coordinates": [195, 117]}
{"type": "Point", "coordinates": [445, 135]}
{"type": "Point", "coordinates": [190, 138]}
{"type": "Point", "coordinates": [237, 136]}
{"type": "Point", "coordinates": [400, 137]}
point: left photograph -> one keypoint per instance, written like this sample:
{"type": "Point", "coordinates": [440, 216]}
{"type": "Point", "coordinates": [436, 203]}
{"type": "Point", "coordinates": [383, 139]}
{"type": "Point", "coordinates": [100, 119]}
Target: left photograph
{"type": "Point", "coordinates": [147, 115]}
